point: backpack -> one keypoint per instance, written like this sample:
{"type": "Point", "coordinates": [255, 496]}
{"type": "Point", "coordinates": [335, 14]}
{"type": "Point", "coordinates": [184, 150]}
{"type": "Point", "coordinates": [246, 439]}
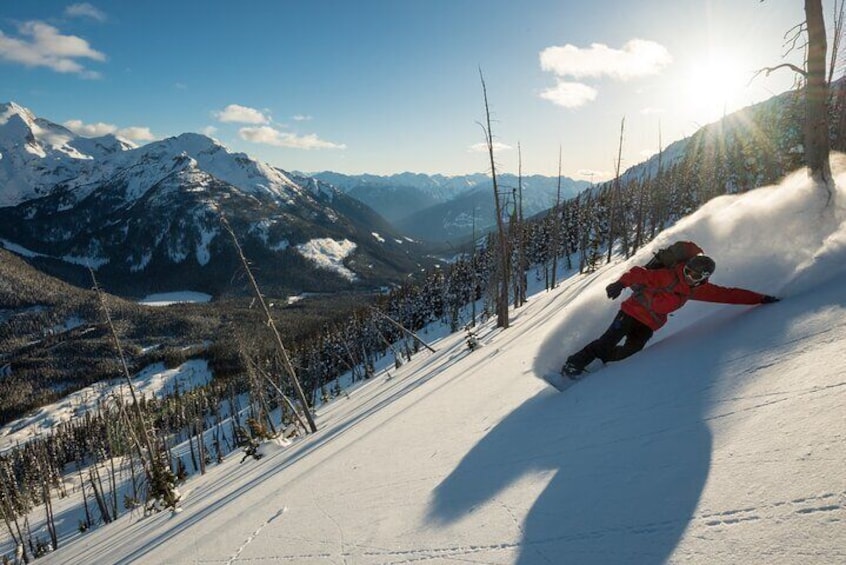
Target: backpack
{"type": "Point", "coordinates": [668, 257]}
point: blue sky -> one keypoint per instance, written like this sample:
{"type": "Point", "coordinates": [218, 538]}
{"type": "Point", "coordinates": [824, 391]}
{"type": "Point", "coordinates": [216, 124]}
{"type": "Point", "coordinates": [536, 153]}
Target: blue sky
{"type": "Point", "coordinates": [379, 86]}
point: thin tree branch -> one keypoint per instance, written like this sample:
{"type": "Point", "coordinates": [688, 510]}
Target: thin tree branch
{"type": "Point", "coordinates": [768, 70]}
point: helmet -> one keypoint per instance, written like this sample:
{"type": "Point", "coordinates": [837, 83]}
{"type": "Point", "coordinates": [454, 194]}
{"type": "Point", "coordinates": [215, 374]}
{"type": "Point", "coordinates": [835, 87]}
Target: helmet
{"type": "Point", "coordinates": [699, 268]}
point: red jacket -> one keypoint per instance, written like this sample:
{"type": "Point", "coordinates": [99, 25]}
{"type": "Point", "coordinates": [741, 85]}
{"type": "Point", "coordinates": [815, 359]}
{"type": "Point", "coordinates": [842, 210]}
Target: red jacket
{"type": "Point", "coordinates": [656, 293]}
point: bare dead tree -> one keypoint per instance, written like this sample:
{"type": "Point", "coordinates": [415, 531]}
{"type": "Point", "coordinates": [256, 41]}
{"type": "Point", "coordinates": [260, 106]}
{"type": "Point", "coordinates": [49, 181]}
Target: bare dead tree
{"type": "Point", "coordinates": [281, 394]}
{"type": "Point", "coordinates": [288, 365]}
{"type": "Point", "coordinates": [503, 274]}
{"type": "Point", "coordinates": [83, 526]}
{"type": "Point", "coordinates": [160, 480]}
{"type": "Point", "coordinates": [816, 93]}
{"type": "Point", "coordinates": [388, 344]}
{"type": "Point", "coordinates": [517, 228]}
{"type": "Point", "coordinates": [658, 207]}
{"type": "Point", "coordinates": [556, 229]}
{"type": "Point", "coordinates": [817, 144]}
{"type": "Point", "coordinates": [99, 494]}
{"type": "Point", "coordinates": [615, 198]}
{"type": "Point", "coordinates": [405, 330]}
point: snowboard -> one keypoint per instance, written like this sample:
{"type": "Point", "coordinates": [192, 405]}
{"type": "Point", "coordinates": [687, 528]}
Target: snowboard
{"type": "Point", "coordinates": [562, 382]}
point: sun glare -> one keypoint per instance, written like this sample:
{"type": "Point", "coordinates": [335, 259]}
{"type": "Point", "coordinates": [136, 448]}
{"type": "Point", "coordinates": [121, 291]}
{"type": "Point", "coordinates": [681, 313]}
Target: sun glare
{"type": "Point", "coordinates": [714, 88]}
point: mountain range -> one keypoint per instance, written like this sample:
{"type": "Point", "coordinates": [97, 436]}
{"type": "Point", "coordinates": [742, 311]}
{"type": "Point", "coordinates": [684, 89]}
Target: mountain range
{"type": "Point", "coordinates": [451, 208]}
{"type": "Point", "coordinates": [148, 219]}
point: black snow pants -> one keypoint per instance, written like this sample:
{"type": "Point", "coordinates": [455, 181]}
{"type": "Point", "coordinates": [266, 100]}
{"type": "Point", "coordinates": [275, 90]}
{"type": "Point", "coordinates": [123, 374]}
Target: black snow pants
{"type": "Point", "coordinates": [606, 347]}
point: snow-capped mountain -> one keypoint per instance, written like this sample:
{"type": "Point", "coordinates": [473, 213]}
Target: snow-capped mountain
{"type": "Point", "coordinates": [155, 210]}
{"type": "Point", "coordinates": [440, 188]}
{"type": "Point", "coordinates": [36, 154]}
{"type": "Point", "coordinates": [447, 207]}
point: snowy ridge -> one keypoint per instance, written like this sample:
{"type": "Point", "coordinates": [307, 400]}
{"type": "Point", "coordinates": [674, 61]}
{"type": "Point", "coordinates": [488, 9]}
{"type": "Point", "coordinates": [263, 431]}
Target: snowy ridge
{"type": "Point", "coordinates": [721, 442]}
{"type": "Point", "coordinates": [53, 154]}
{"type": "Point", "coordinates": [56, 154]}
{"type": "Point", "coordinates": [236, 169]}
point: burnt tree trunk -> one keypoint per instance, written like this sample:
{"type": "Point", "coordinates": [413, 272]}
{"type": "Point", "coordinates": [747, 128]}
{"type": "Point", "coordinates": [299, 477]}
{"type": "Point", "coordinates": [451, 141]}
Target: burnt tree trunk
{"type": "Point", "coordinates": [816, 96]}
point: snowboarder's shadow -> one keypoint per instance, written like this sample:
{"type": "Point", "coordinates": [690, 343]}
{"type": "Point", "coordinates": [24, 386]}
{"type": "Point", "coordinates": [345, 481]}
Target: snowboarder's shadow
{"type": "Point", "coordinates": [629, 461]}
{"type": "Point", "coordinates": [622, 486]}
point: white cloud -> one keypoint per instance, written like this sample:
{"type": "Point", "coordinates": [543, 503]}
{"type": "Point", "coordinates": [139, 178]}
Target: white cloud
{"type": "Point", "coordinates": [85, 10]}
{"type": "Point", "coordinates": [637, 58]}
{"type": "Point", "coordinates": [482, 147]}
{"type": "Point", "coordinates": [134, 133]}
{"type": "Point", "coordinates": [241, 114]}
{"type": "Point", "coordinates": [270, 136]}
{"type": "Point", "coordinates": [650, 111]}
{"type": "Point", "coordinates": [209, 131]}
{"type": "Point", "coordinates": [42, 45]}
{"type": "Point", "coordinates": [90, 130]}
{"type": "Point", "coordinates": [569, 94]}
{"type": "Point", "coordinates": [301, 118]}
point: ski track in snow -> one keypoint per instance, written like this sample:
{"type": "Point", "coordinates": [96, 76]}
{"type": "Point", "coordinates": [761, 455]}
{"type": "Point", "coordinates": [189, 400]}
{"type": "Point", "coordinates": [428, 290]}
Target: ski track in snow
{"type": "Point", "coordinates": [831, 505]}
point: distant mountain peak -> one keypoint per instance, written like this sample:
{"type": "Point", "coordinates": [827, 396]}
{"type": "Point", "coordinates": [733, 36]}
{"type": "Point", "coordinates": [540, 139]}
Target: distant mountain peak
{"type": "Point", "coordinates": [16, 121]}
{"type": "Point", "coordinates": [9, 109]}
{"type": "Point", "coordinates": [196, 143]}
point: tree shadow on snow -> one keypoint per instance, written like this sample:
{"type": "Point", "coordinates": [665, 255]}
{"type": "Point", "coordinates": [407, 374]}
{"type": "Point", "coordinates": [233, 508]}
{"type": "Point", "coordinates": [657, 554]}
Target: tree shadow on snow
{"type": "Point", "coordinates": [629, 448]}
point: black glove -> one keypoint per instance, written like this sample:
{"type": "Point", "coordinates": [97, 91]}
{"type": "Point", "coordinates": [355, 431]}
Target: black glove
{"type": "Point", "coordinates": [614, 289]}
{"type": "Point", "coordinates": [767, 299]}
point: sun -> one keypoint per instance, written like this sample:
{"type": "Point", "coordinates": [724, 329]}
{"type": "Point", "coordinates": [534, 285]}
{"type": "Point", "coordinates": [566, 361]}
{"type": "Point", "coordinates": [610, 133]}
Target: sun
{"type": "Point", "coordinates": [714, 88]}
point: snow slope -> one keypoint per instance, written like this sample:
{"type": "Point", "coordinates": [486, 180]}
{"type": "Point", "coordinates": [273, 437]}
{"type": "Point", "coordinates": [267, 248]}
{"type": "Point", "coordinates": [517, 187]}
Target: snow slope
{"type": "Point", "coordinates": [155, 381]}
{"type": "Point", "coordinates": [724, 441]}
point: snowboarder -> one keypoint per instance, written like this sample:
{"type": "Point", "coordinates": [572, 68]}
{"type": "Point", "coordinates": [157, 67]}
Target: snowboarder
{"type": "Point", "coordinates": [655, 294]}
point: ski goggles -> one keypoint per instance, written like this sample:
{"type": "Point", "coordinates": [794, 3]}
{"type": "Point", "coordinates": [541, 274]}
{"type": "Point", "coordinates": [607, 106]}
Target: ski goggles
{"type": "Point", "coordinates": [696, 277]}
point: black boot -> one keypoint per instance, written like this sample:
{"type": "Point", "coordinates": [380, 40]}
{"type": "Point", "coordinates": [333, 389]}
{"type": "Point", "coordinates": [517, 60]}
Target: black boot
{"type": "Point", "coordinates": [572, 370]}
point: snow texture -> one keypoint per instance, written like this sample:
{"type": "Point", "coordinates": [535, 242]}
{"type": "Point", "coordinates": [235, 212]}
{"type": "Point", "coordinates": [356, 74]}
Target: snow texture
{"type": "Point", "coordinates": [328, 253]}
{"type": "Point", "coordinates": [722, 442]}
